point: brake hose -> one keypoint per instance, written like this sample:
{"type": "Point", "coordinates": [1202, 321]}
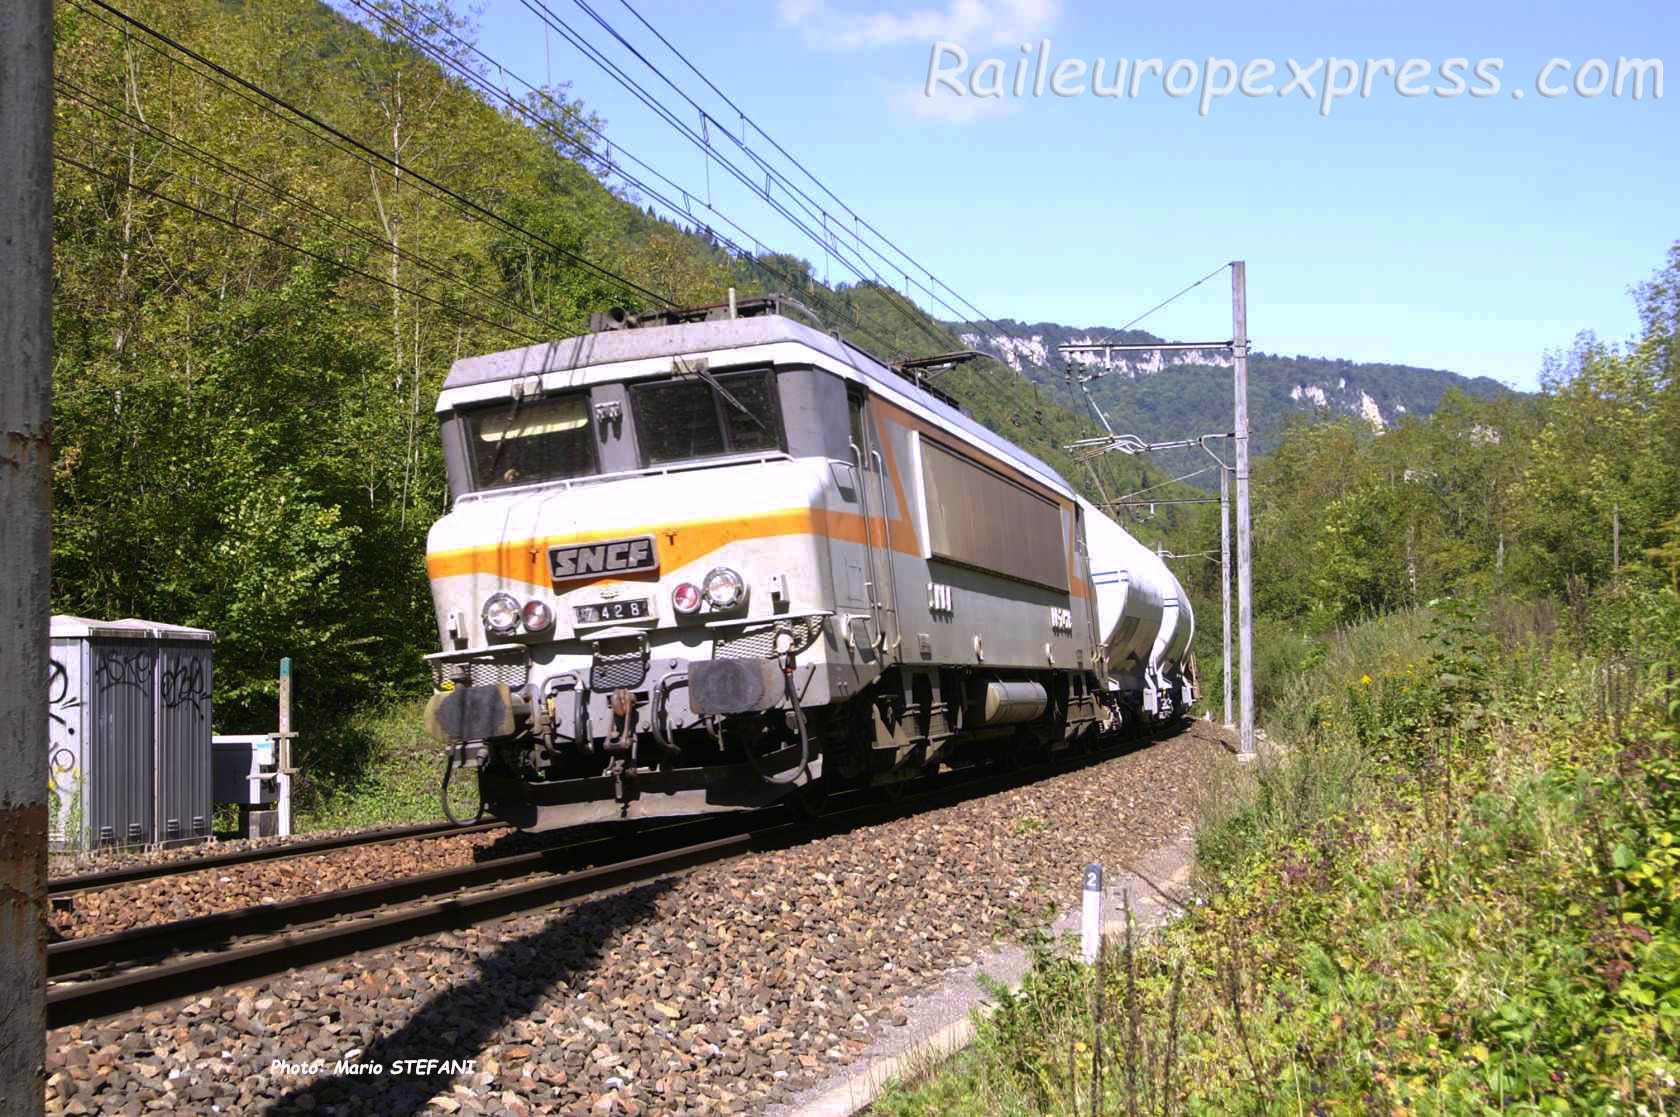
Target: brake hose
{"type": "Point", "coordinates": [448, 771]}
{"type": "Point", "coordinates": [804, 741]}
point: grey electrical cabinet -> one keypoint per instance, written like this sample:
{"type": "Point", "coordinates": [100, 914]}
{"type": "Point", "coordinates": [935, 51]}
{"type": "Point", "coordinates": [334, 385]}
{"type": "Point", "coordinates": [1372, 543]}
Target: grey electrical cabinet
{"type": "Point", "coordinates": [129, 734]}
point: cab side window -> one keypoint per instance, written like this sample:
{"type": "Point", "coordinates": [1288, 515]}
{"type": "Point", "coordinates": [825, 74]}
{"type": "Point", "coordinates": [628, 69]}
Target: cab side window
{"type": "Point", "coordinates": [856, 399]}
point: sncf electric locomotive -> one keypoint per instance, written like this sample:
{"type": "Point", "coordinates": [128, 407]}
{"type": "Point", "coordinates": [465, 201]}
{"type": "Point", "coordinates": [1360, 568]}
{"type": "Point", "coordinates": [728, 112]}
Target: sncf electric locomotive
{"type": "Point", "coordinates": [707, 560]}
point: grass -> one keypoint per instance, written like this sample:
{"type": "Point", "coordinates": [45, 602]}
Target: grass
{"type": "Point", "coordinates": [962, 1085]}
{"type": "Point", "coordinates": [1456, 891]}
{"type": "Point", "coordinates": [388, 772]}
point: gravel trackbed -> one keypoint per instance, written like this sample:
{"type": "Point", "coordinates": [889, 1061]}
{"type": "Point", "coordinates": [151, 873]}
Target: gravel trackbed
{"type": "Point", "coordinates": [725, 989]}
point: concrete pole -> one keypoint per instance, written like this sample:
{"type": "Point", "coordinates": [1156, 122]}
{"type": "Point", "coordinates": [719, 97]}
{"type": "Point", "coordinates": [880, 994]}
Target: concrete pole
{"type": "Point", "coordinates": [283, 753]}
{"type": "Point", "coordinates": [1245, 583]}
{"type": "Point", "coordinates": [25, 455]}
{"type": "Point", "coordinates": [283, 748]}
{"type": "Point", "coordinates": [1225, 577]}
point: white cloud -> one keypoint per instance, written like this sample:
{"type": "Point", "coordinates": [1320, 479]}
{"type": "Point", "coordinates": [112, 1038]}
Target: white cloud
{"type": "Point", "coordinates": [971, 22]}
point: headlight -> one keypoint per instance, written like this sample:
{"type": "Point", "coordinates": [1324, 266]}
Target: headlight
{"type": "Point", "coordinates": [501, 614]}
{"type": "Point", "coordinates": [685, 599]}
{"type": "Point", "coordinates": [724, 588]}
{"type": "Point", "coordinates": [538, 617]}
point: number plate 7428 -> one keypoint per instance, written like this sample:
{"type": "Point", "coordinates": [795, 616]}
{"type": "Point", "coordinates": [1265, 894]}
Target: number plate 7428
{"type": "Point", "coordinates": [605, 612]}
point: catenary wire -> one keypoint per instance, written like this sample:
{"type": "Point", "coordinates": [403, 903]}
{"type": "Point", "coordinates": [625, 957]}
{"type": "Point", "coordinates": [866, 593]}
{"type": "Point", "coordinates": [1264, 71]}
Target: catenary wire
{"type": "Point", "coordinates": [1162, 484]}
{"type": "Point", "coordinates": [123, 118]}
{"type": "Point", "coordinates": [283, 243]}
{"type": "Point", "coordinates": [303, 114]}
{"type": "Point", "coordinates": [609, 162]}
{"type": "Point", "coordinates": [830, 244]}
{"type": "Point", "coordinates": [996, 337]}
{"type": "Point", "coordinates": [489, 89]}
{"type": "Point", "coordinates": [856, 219]}
{"type": "Point", "coordinates": [465, 202]}
{"type": "Point", "coordinates": [1164, 302]}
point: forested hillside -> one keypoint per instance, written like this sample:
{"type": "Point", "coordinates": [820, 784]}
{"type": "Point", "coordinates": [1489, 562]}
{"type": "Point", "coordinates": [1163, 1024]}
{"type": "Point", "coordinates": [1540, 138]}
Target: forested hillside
{"type": "Point", "coordinates": [270, 249]}
{"type": "Point", "coordinates": [1518, 495]}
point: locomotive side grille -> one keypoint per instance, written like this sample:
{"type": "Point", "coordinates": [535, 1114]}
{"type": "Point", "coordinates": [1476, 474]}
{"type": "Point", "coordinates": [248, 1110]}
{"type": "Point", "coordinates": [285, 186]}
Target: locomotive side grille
{"type": "Point", "coordinates": [761, 643]}
{"type": "Point", "coordinates": [615, 670]}
{"type": "Point", "coordinates": [480, 672]}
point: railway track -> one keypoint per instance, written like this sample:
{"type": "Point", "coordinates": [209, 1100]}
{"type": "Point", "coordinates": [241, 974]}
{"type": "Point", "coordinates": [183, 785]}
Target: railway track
{"type": "Point", "coordinates": [102, 975]}
{"type": "Point", "coordinates": [106, 974]}
{"type": "Point", "coordinates": [150, 870]}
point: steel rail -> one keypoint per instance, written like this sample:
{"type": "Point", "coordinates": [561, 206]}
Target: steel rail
{"type": "Point", "coordinates": [217, 930]}
{"type": "Point", "coordinates": [81, 1001]}
{"type": "Point", "coordinates": [104, 878]}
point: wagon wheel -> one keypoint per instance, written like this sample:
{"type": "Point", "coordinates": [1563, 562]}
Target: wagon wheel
{"type": "Point", "coordinates": [810, 800]}
{"type": "Point", "coordinates": [893, 791]}
{"type": "Point", "coordinates": [1007, 754]}
{"type": "Point", "coordinates": [1030, 749]}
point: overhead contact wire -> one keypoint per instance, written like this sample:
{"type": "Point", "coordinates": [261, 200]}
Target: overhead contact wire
{"type": "Point", "coordinates": [185, 147]}
{"type": "Point", "coordinates": [210, 215]}
{"type": "Point", "coordinates": [303, 114]}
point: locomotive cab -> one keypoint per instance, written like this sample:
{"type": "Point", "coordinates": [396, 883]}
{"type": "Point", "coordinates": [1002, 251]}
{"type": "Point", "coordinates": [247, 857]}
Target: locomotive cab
{"type": "Point", "coordinates": [635, 586]}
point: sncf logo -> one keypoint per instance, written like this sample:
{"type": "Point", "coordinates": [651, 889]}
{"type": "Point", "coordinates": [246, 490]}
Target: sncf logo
{"type": "Point", "coordinates": [586, 560]}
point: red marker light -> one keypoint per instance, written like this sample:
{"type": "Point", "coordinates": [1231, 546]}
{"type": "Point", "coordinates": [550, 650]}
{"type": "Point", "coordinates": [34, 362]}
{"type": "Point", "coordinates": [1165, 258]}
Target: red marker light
{"type": "Point", "coordinates": [685, 599]}
{"type": "Point", "coordinates": [537, 616]}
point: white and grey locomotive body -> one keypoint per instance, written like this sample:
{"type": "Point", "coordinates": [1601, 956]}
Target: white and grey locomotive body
{"type": "Point", "coordinates": [711, 560]}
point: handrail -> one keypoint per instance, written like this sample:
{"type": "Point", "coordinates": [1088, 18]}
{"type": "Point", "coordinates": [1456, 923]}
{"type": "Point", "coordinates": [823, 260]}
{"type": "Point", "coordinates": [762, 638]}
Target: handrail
{"type": "Point", "coordinates": [892, 587]}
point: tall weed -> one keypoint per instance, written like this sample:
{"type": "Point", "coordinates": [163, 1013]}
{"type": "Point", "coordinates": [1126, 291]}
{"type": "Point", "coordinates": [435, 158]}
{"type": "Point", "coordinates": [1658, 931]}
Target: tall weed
{"type": "Point", "coordinates": [1454, 889]}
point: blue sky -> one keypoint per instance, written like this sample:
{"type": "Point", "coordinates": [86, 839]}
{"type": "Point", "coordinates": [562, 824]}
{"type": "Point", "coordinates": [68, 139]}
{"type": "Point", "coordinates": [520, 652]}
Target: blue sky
{"type": "Point", "coordinates": [1466, 233]}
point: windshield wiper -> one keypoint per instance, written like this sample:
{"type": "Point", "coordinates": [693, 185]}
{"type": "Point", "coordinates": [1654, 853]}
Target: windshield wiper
{"type": "Point", "coordinates": [507, 435]}
{"type": "Point", "coordinates": [699, 367]}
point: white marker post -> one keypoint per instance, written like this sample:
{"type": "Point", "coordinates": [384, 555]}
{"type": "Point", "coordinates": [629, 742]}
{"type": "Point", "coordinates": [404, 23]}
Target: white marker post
{"type": "Point", "coordinates": [1090, 916]}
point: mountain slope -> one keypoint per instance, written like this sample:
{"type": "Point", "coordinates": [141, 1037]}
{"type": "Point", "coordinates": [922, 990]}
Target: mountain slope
{"type": "Point", "coordinates": [1167, 396]}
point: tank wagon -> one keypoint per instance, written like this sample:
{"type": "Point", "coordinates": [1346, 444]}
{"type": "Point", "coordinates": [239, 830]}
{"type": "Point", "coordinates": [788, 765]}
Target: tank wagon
{"type": "Point", "coordinates": [706, 560]}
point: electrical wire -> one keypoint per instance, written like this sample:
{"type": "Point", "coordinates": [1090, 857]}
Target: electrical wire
{"type": "Point", "coordinates": [136, 124]}
{"type": "Point", "coordinates": [998, 337]}
{"type": "Point", "coordinates": [856, 219]}
{"type": "Point", "coordinates": [804, 767]}
{"type": "Point", "coordinates": [302, 114]}
{"type": "Point", "coordinates": [352, 145]}
{"type": "Point", "coordinates": [345, 144]}
{"type": "Point", "coordinates": [283, 243]}
{"type": "Point", "coordinates": [830, 244]}
{"type": "Point", "coordinates": [701, 141]}
{"type": "Point", "coordinates": [1163, 484]}
{"type": "Point", "coordinates": [443, 795]}
{"type": "Point", "coordinates": [613, 165]}
{"type": "Point", "coordinates": [1164, 302]}
{"type": "Point", "coordinates": [610, 162]}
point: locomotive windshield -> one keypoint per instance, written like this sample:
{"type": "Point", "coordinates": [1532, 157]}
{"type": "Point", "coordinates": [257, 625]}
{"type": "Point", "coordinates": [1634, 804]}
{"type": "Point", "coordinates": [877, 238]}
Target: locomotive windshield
{"type": "Point", "coordinates": [538, 440]}
{"type": "Point", "coordinates": [685, 418]}
{"type": "Point", "coordinates": [678, 420]}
